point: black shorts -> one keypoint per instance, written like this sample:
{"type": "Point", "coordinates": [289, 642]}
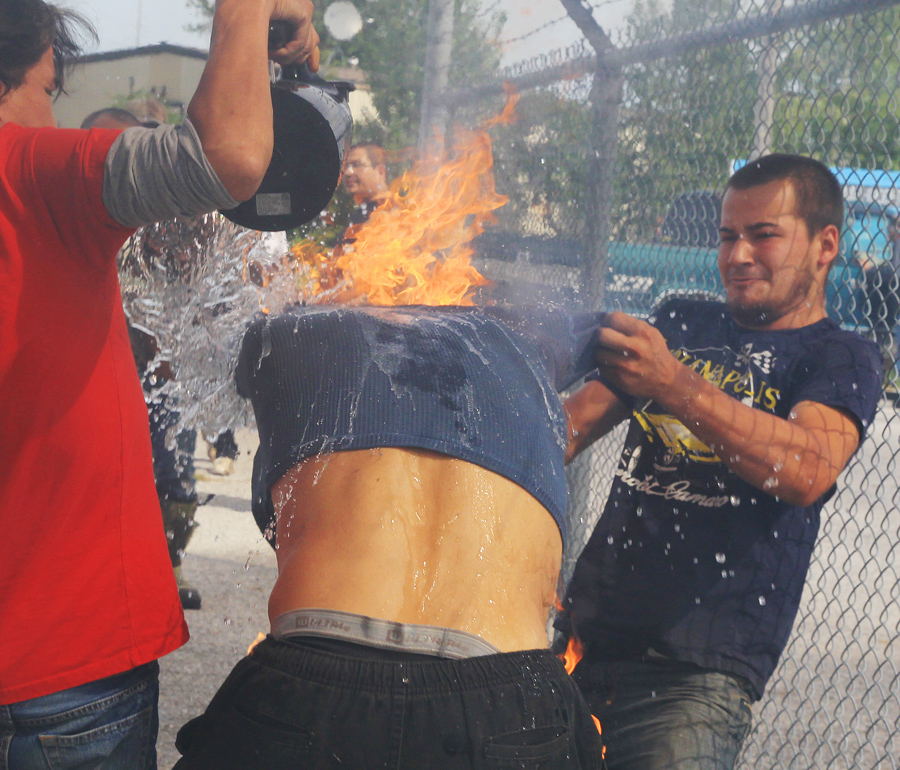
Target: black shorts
{"type": "Point", "coordinates": [299, 704]}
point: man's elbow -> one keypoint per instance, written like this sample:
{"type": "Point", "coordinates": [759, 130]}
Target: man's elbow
{"type": "Point", "coordinates": [800, 497]}
{"type": "Point", "coordinates": [241, 172]}
{"type": "Point", "coordinates": [803, 493]}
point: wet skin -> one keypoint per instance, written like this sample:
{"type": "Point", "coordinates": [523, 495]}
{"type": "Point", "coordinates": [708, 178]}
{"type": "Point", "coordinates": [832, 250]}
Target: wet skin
{"type": "Point", "coordinates": [416, 537]}
{"type": "Point", "coordinates": [773, 269]}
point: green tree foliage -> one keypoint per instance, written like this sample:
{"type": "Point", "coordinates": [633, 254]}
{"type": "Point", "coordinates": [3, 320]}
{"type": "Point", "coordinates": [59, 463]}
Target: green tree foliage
{"type": "Point", "coordinates": [685, 118]}
{"type": "Point", "coordinates": [682, 119]}
{"type": "Point", "coordinates": [539, 163]}
{"type": "Point", "coordinates": [390, 51]}
{"type": "Point", "coordinates": [837, 91]}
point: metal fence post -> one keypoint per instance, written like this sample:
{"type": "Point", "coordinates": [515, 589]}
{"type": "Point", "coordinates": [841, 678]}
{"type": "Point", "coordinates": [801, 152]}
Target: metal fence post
{"type": "Point", "coordinates": [605, 97]}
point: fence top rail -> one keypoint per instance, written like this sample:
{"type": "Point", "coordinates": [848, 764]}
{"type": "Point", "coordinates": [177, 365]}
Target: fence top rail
{"type": "Point", "coordinates": [761, 25]}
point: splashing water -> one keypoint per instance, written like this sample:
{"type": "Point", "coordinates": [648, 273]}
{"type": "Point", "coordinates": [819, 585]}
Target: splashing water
{"type": "Point", "coordinates": [184, 289]}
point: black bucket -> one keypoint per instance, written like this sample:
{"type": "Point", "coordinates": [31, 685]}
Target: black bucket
{"type": "Point", "coordinates": [313, 131]}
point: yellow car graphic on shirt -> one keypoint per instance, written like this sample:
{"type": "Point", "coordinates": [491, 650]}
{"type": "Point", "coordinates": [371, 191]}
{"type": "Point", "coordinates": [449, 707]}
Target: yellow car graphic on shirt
{"type": "Point", "coordinates": [678, 440]}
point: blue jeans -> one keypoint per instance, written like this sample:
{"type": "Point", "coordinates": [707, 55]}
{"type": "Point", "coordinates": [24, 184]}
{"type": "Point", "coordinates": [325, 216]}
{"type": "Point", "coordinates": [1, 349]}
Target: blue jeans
{"type": "Point", "coordinates": [108, 724]}
{"type": "Point", "coordinates": [661, 714]}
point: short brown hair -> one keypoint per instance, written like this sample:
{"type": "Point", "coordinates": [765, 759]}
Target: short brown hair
{"type": "Point", "coordinates": [820, 200]}
{"type": "Point", "coordinates": [27, 29]}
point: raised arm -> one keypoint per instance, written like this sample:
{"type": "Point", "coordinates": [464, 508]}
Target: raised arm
{"type": "Point", "coordinates": [797, 459]}
{"type": "Point", "coordinates": [232, 109]}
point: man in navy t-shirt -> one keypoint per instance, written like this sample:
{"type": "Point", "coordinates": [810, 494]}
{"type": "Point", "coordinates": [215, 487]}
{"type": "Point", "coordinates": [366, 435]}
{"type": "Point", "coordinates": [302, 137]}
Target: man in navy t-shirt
{"type": "Point", "coordinates": [742, 416]}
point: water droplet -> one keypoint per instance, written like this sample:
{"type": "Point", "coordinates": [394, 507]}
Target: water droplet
{"type": "Point", "coordinates": [775, 533]}
{"type": "Point", "coordinates": [762, 601]}
{"type": "Point", "coordinates": [652, 693]}
{"type": "Point", "coordinates": [735, 501]}
{"type": "Point", "coordinates": [639, 511]}
{"type": "Point", "coordinates": [696, 600]}
{"type": "Point", "coordinates": [720, 557]}
{"type": "Point", "coordinates": [678, 527]}
{"type": "Point", "coordinates": [724, 573]}
{"type": "Point", "coordinates": [610, 540]}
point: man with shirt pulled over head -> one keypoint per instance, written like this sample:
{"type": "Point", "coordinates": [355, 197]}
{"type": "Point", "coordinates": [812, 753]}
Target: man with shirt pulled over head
{"type": "Point", "coordinates": [89, 600]}
{"type": "Point", "coordinates": [741, 417]}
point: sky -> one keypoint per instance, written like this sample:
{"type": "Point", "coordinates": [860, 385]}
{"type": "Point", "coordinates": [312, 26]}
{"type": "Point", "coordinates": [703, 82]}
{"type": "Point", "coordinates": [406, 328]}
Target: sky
{"type": "Point", "coordinates": [129, 23]}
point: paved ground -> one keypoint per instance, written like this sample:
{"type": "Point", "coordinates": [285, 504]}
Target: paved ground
{"type": "Point", "coordinates": [234, 569]}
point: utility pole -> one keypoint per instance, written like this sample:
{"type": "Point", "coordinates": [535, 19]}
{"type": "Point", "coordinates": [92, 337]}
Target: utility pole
{"type": "Point", "coordinates": [140, 18]}
{"type": "Point", "coordinates": [439, 49]}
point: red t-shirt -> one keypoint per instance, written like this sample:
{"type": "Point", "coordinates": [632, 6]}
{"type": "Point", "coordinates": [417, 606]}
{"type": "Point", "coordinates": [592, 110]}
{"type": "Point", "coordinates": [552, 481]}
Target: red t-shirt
{"type": "Point", "coordinates": [86, 586]}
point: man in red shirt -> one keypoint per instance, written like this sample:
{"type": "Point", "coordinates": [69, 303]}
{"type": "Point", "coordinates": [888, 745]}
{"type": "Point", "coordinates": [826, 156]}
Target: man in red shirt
{"type": "Point", "coordinates": [87, 596]}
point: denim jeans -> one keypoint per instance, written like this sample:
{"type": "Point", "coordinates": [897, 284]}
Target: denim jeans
{"type": "Point", "coordinates": [108, 724]}
{"type": "Point", "coordinates": [661, 714]}
{"type": "Point", "coordinates": [293, 705]}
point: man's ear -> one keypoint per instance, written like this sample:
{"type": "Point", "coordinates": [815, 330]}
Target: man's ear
{"type": "Point", "coordinates": [829, 239]}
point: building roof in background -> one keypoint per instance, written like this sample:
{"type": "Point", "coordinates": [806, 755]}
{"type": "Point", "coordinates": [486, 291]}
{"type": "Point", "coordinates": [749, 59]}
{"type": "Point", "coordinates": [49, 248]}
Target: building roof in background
{"type": "Point", "coordinates": [144, 50]}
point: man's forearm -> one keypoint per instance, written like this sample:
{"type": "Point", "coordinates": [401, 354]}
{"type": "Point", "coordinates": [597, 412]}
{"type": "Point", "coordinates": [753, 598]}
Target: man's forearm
{"type": "Point", "coordinates": [797, 459]}
{"type": "Point", "coordinates": [232, 107]}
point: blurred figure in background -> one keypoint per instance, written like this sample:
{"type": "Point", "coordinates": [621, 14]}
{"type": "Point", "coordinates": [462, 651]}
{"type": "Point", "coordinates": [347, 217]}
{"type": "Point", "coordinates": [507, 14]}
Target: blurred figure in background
{"type": "Point", "coordinates": [365, 178]}
{"type": "Point", "coordinates": [882, 289]}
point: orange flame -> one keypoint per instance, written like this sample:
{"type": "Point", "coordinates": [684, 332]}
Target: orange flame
{"type": "Point", "coordinates": [574, 652]}
{"type": "Point", "coordinates": [260, 636]}
{"type": "Point", "coordinates": [414, 249]}
{"type": "Point", "coordinates": [600, 731]}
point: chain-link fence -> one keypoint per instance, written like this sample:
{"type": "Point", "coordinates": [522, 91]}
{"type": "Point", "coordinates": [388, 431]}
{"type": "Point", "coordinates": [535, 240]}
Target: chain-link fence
{"type": "Point", "coordinates": [615, 170]}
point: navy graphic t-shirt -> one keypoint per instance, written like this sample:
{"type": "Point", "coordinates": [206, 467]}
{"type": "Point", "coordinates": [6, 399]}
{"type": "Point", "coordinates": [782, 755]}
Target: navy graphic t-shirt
{"type": "Point", "coordinates": [688, 559]}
